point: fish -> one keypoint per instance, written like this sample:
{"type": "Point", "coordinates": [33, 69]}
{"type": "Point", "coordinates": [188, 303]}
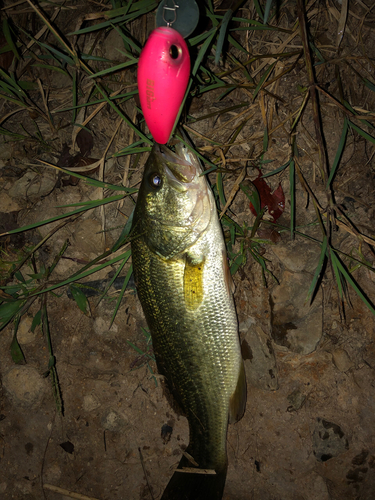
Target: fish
{"type": "Point", "coordinates": [186, 291]}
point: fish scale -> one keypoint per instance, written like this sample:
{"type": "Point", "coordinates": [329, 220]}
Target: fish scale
{"type": "Point", "coordinates": [190, 311]}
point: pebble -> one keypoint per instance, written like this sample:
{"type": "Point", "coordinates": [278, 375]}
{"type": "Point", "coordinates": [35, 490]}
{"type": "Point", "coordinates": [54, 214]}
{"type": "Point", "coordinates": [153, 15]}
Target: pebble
{"type": "Point", "coordinates": [295, 324]}
{"type": "Point", "coordinates": [88, 238]}
{"type": "Point", "coordinates": [6, 151]}
{"type": "Point", "coordinates": [341, 360]}
{"type": "Point", "coordinates": [297, 256]}
{"type": "Point", "coordinates": [328, 440]}
{"type": "Point", "coordinates": [25, 385]}
{"type": "Point", "coordinates": [101, 327]}
{"type": "Point", "coordinates": [33, 186]}
{"type": "Point", "coordinates": [259, 359]}
{"type": "Point", "coordinates": [112, 421]}
{"type": "Point", "coordinates": [7, 204]}
{"type": "Point", "coordinates": [24, 333]}
{"type": "Point", "coordinates": [90, 402]}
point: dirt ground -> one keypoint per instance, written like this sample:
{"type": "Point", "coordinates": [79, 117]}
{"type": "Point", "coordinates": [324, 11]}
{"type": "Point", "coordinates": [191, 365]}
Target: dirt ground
{"type": "Point", "coordinates": [308, 431]}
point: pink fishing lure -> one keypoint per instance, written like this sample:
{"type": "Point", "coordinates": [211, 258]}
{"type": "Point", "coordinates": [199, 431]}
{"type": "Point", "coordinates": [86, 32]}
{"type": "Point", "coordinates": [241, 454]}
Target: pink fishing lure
{"type": "Point", "coordinates": [163, 74]}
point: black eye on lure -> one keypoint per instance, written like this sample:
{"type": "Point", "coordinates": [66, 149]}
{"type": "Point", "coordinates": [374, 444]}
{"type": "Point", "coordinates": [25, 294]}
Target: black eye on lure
{"type": "Point", "coordinates": [155, 181]}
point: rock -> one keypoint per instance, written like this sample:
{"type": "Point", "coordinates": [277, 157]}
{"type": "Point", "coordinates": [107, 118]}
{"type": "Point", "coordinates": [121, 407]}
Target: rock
{"type": "Point", "coordinates": [89, 239]}
{"type": "Point", "coordinates": [25, 486]}
{"type": "Point", "coordinates": [295, 325]}
{"type": "Point", "coordinates": [297, 256]}
{"type": "Point", "coordinates": [245, 325]}
{"type": "Point", "coordinates": [7, 204]}
{"type": "Point", "coordinates": [6, 150]}
{"type": "Point", "coordinates": [260, 361]}
{"type": "Point", "coordinates": [112, 421]}
{"type": "Point", "coordinates": [369, 355]}
{"type": "Point", "coordinates": [90, 402]}
{"type": "Point", "coordinates": [33, 186]}
{"type": "Point", "coordinates": [296, 399]}
{"type": "Point", "coordinates": [328, 440]}
{"type": "Point", "coordinates": [314, 487]}
{"type": "Point", "coordinates": [110, 47]}
{"type": "Point", "coordinates": [24, 333]}
{"type": "Point", "coordinates": [52, 473]}
{"type": "Point", "coordinates": [25, 385]}
{"type": "Point", "coordinates": [341, 360]}
{"type": "Point", "coordinates": [101, 327]}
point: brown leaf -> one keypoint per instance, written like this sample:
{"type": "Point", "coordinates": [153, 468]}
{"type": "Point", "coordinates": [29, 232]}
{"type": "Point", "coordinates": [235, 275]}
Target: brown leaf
{"type": "Point", "coordinates": [85, 141]}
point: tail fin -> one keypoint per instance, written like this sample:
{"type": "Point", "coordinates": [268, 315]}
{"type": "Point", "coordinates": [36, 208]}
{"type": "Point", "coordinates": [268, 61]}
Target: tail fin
{"type": "Point", "coordinates": [195, 486]}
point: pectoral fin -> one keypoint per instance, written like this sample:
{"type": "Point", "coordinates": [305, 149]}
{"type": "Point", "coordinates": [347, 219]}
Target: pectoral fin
{"type": "Point", "coordinates": [237, 402]}
{"type": "Point", "coordinates": [193, 284]}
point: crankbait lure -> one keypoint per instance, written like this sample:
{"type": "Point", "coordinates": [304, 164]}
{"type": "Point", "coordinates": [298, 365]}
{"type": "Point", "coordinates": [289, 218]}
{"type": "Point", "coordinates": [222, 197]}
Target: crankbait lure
{"type": "Point", "coordinates": [163, 74]}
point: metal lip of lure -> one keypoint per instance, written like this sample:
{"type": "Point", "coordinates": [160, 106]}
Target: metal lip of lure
{"type": "Point", "coordinates": [163, 75]}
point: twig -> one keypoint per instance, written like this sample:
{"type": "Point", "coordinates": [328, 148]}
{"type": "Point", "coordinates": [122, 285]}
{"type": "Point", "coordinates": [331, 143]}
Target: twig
{"type": "Point", "coordinates": [67, 493]}
{"type": "Point", "coordinates": [145, 473]}
{"type": "Point", "coordinates": [235, 188]}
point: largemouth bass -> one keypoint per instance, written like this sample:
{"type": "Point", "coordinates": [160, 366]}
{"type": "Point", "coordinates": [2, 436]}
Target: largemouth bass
{"type": "Point", "coordinates": [186, 292]}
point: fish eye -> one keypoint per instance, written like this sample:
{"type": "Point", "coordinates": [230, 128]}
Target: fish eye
{"type": "Point", "coordinates": [155, 180]}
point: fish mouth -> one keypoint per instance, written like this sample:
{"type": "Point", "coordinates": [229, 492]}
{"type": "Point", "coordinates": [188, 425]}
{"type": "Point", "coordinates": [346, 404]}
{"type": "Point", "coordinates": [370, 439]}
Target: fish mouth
{"type": "Point", "coordinates": [183, 170]}
{"type": "Point", "coordinates": [178, 164]}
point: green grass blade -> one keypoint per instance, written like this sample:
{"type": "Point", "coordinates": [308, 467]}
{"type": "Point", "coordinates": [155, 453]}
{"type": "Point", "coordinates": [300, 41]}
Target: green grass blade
{"type": "Point", "coordinates": [126, 281]}
{"type": "Point", "coordinates": [334, 260]}
{"type": "Point", "coordinates": [258, 8]}
{"type": "Point", "coordinates": [220, 188]}
{"type": "Point", "coordinates": [81, 275]}
{"type": "Point", "coordinates": [113, 69]}
{"type": "Point", "coordinates": [124, 233]}
{"type": "Point", "coordinates": [265, 140]}
{"type": "Point", "coordinates": [36, 320]}
{"type": "Point", "coordinates": [112, 281]}
{"type": "Point", "coordinates": [8, 37]}
{"type": "Point", "coordinates": [292, 198]}
{"type": "Point", "coordinates": [114, 17]}
{"type": "Point", "coordinates": [341, 268]}
{"type": "Point", "coordinates": [80, 299]}
{"type": "Point", "coordinates": [263, 79]}
{"type": "Point", "coordinates": [253, 196]}
{"type": "Point", "coordinates": [278, 170]}
{"type": "Point", "coordinates": [60, 55]}
{"type": "Point", "coordinates": [94, 204]}
{"type": "Point", "coordinates": [348, 106]}
{"type": "Point", "coordinates": [369, 84]}
{"type": "Point", "coordinates": [51, 68]}
{"type": "Point", "coordinates": [361, 132]}
{"type": "Point", "coordinates": [222, 32]}
{"type": "Point", "coordinates": [339, 152]}
{"type": "Point", "coordinates": [132, 151]}
{"type": "Point", "coordinates": [16, 351]}
{"type": "Point", "coordinates": [128, 40]}
{"type": "Point", "coordinates": [203, 50]}
{"type": "Point", "coordinates": [8, 310]}
{"type": "Point", "coordinates": [92, 182]}
{"type": "Point", "coordinates": [237, 45]}
{"type": "Point", "coordinates": [124, 117]}
{"type": "Point", "coordinates": [318, 270]}
{"type": "Point", "coordinates": [267, 11]}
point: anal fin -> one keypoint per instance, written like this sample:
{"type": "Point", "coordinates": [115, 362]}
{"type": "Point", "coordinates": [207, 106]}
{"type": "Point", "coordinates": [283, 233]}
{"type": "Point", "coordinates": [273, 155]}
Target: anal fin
{"type": "Point", "coordinates": [237, 403]}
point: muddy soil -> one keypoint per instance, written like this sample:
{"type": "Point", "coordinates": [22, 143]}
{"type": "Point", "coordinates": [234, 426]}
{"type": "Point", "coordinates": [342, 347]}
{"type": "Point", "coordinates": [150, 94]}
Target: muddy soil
{"type": "Point", "coordinates": [111, 432]}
